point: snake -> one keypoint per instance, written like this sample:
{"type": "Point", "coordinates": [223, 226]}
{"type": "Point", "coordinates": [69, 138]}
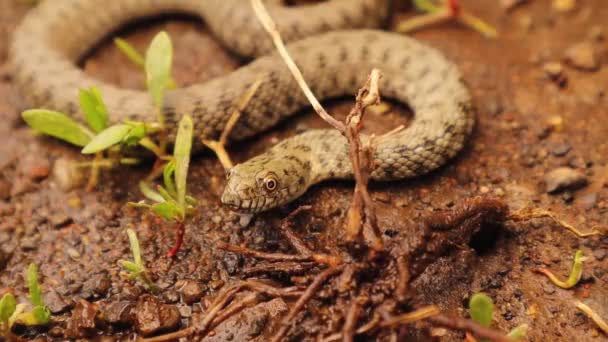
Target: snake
{"type": "Point", "coordinates": [335, 44]}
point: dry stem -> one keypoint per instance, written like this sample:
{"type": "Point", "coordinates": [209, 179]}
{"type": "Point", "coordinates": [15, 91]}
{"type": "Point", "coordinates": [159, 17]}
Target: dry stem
{"type": "Point", "coordinates": [470, 326]}
{"type": "Point", "coordinates": [219, 146]}
{"type": "Point", "coordinates": [528, 213]}
{"type": "Point", "coordinates": [319, 280]}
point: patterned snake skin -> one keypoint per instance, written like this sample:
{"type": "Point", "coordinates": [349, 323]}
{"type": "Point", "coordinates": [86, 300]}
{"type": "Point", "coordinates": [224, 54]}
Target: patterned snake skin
{"type": "Point", "coordinates": [334, 59]}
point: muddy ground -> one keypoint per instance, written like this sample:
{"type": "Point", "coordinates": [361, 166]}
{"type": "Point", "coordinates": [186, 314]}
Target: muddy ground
{"type": "Point", "coordinates": [531, 120]}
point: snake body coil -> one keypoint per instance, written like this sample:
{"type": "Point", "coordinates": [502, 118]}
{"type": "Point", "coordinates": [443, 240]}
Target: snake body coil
{"type": "Point", "coordinates": [57, 33]}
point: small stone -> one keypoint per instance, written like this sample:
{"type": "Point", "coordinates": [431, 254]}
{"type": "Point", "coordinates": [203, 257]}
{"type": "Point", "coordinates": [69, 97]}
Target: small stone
{"type": "Point", "coordinates": [151, 316]}
{"type": "Point", "coordinates": [588, 201]}
{"type": "Point", "coordinates": [484, 189]}
{"type": "Point", "coordinates": [120, 313]}
{"type": "Point", "coordinates": [582, 56]}
{"type": "Point", "coordinates": [185, 311]}
{"type": "Point", "coordinates": [553, 70]}
{"type": "Point", "coordinates": [561, 149]}
{"type": "Point", "coordinates": [171, 296]}
{"type": "Point", "coordinates": [599, 254]}
{"type": "Point", "coordinates": [556, 123]}
{"type": "Point", "coordinates": [217, 219]}
{"type": "Point", "coordinates": [245, 219]}
{"type": "Point", "coordinates": [5, 189]}
{"type": "Point", "coordinates": [39, 170]}
{"type": "Point", "coordinates": [564, 5]}
{"type": "Point", "coordinates": [66, 175]}
{"type": "Point", "coordinates": [564, 178]}
{"type": "Point", "coordinates": [96, 286]}
{"type": "Point", "coordinates": [82, 322]}
{"type": "Point", "coordinates": [60, 220]}
{"type": "Point", "coordinates": [231, 262]}
{"type": "Point", "coordinates": [55, 302]}
{"type": "Point", "coordinates": [549, 288]}
{"type": "Point", "coordinates": [382, 197]}
{"type": "Point", "coordinates": [30, 243]}
{"type": "Point", "coordinates": [191, 291]}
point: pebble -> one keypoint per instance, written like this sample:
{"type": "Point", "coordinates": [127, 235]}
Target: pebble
{"type": "Point", "coordinates": [556, 123]}
{"type": "Point", "coordinates": [564, 178]}
{"type": "Point", "coordinates": [245, 219]}
{"type": "Point", "coordinates": [5, 189]}
{"type": "Point", "coordinates": [190, 290]}
{"type": "Point", "coordinates": [549, 288]}
{"type": "Point", "coordinates": [97, 286]}
{"type": "Point", "coordinates": [39, 171]}
{"type": "Point", "coordinates": [151, 316]}
{"type": "Point", "coordinates": [55, 302]}
{"type": "Point", "coordinates": [82, 322]}
{"type": "Point", "coordinates": [66, 175]}
{"type": "Point", "coordinates": [561, 149]}
{"type": "Point", "coordinates": [120, 312]}
{"type": "Point", "coordinates": [588, 201]}
{"type": "Point", "coordinates": [60, 219]}
{"type": "Point", "coordinates": [582, 56]}
{"type": "Point", "coordinates": [555, 72]}
{"type": "Point", "coordinates": [217, 219]}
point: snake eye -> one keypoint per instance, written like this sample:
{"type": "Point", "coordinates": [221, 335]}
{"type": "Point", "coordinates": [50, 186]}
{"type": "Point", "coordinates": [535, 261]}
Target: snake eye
{"type": "Point", "coordinates": [271, 183]}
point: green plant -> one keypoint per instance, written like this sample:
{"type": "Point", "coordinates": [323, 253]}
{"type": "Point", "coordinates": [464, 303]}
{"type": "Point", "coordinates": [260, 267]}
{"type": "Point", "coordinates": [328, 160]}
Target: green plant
{"type": "Point", "coordinates": [441, 11]}
{"type": "Point", "coordinates": [171, 201]}
{"type": "Point", "coordinates": [136, 268]}
{"type": "Point", "coordinates": [104, 141]}
{"type": "Point", "coordinates": [575, 274]}
{"type": "Point", "coordinates": [481, 309]}
{"type": "Point", "coordinates": [11, 312]}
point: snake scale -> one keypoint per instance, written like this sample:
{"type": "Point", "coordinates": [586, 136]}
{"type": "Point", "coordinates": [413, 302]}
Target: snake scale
{"type": "Point", "coordinates": [334, 44]}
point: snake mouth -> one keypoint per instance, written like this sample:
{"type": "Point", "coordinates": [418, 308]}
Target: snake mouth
{"type": "Point", "coordinates": [248, 205]}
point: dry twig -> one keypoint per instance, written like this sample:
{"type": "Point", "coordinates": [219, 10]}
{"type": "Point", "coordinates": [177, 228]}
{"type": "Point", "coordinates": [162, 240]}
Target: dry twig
{"type": "Point", "coordinates": [219, 146]}
{"type": "Point", "coordinates": [470, 326]}
{"type": "Point", "coordinates": [528, 213]}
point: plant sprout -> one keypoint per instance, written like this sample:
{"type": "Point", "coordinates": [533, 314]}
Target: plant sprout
{"type": "Point", "coordinates": [575, 274]}
{"type": "Point", "coordinates": [171, 201]}
{"type": "Point", "coordinates": [136, 268]}
{"type": "Point", "coordinates": [481, 309]}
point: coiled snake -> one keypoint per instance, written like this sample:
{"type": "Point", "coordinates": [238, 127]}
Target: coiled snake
{"type": "Point", "coordinates": [335, 56]}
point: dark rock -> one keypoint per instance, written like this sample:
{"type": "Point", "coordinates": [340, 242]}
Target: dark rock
{"type": "Point", "coordinates": [248, 324]}
{"type": "Point", "coordinates": [118, 313]}
{"type": "Point", "coordinates": [582, 56]}
{"type": "Point", "coordinates": [561, 149]}
{"type": "Point", "coordinates": [97, 286]}
{"type": "Point", "coordinates": [231, 262]}
{"type": "Point", "coordinates": [55, 302]}
{"type": "Point", "coordinates": [190, 290]}
{"type": "Point", "coordinates": [82, 322]}
{"type": "Point", "coordinates": [30, 243]}
{"type": "Point", "coordinates": [60, 220]}
{"type": "Point", "coordinates": [151, 316]}
{"type": "Point", "coordinates": [171, 296]}
{"type": "Point", "coordinates": [564, 178]}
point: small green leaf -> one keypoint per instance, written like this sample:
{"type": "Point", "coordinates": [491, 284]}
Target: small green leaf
{"type": "Point", "coordinates": [95, 111]}
{"type": "Point", "coordinates": [519, 332]}
{"type": "Point", "coordinates": [168, 173]}
{"type": "Point", "coordinates": [135, 249]}
{"type": "Point", "coordinates": [167, 210]}
{"type": "Point", "coordinates": [35, 295]}
{"type": "Point", "coordinates": [57, 125]}
{"type": "Point", "coordinates": [135, 135]}
{"type": "Point", "coordinates": [158, 66]}
{"type": "Point", "coordinates": [165, 194]}
{"type": "Point", "coordinates": [129, 266]}
{"type": "Point", "coordinates": [481, 308]}
{"type": "Point", "coordinates": [149, 193]}
{"type": "Point", "coordinates": [130, 52]}
{"type": "Point", "coordinates": [181, 155]}
{"type": "Point", "coordinates": [107, 138]}
{"type": "Point", "coordinates": [191, 200]}
{"type": "Point", "coordinates": [8, 306]}
{"type": "Point", "coordinates": [41, 314]}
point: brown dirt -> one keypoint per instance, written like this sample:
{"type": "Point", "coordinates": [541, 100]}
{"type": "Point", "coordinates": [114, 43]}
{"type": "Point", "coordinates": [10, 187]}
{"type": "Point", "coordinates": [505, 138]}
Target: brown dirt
{"type": "Point", "coordinates": [77, 237]}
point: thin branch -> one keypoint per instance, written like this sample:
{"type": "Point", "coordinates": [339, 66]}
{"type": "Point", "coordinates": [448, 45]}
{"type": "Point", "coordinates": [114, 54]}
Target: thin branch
{"type": "Point", "coordinates": [319, 280]}
{"type": "Point", "coordinates": [410, 317]}
{"type": "Point", "coordinates": [470, 326]}
{"type": "Point", "coordinates": [219, 146]}
{"type": "Point", "coordinates": [262, 255]}
{"type": "Point", "coordinates": [361, 330]}
{"type": "Point", "coordinates": [271, 28]}
{"type": "Point", "coordinates": [528, 213]}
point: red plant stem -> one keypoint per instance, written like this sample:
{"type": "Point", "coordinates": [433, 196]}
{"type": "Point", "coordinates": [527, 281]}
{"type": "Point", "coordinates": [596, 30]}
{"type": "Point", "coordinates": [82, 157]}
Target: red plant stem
{"type": "Point", "coordinates": [179, 239]}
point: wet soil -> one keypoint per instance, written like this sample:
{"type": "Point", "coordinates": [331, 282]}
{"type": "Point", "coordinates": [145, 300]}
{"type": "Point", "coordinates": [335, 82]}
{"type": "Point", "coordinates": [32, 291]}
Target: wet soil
{"type": "Point", "coordinates": [530, 122]}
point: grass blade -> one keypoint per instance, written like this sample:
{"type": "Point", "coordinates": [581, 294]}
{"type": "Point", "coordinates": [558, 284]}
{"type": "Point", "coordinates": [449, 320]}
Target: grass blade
{"type": "Point", "coordinates": [35, 295]}
{"type": "Point", "coordinates": [159, 57]}
{"type": "Point", "coordinates": [95, 111]}
{"type": "Point", "coordinates": [181, 155]}
{"type": "Point", "coordinates": [130, 51]}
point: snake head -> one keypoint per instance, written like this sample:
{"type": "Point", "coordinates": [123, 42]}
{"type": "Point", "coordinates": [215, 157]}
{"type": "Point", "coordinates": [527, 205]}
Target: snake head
{"type": "Point", "coordinates": [265, 182]}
